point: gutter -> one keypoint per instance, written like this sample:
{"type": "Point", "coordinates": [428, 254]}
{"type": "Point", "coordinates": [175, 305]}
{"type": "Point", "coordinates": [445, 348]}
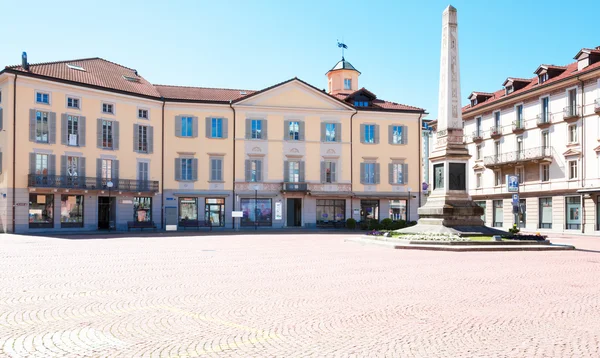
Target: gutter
{"type": "Point", "coordinates": [162, 166]}
{"type": "Point", "coordinates": [14, 154]}
{"type": "Point", "coordinates": [233, 171]}
{"type": "Point", "coordinates": [351, 167]}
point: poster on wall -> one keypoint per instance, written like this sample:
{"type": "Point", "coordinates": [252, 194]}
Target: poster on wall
{"type": "Point", "coordinates": [278, 211]}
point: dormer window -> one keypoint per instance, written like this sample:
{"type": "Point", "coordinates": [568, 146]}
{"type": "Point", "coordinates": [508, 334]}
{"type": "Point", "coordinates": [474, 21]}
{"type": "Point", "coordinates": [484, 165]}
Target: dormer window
{"type": "Point", "coordinates": [543, 78]}
{"type": "Point", "coordinates": [361, 104]}
{"type": "Point", "coordinates": [474, 102]}
{"type": "Point", "coordinates": [509, 90]}
{"type": "Point", "coordinates": [347, 83]}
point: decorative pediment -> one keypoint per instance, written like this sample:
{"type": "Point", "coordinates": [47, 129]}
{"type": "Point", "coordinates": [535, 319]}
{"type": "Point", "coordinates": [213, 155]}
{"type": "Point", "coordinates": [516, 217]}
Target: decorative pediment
{"type": "Point", "coordinates": [597, 149]}
{"type": "Point", "coordinates": [256, 150]}
{"type": "Point", "coordinates": [294, 150]}
{"type": "Point", "coordinates": [330, 151]}
{"type": "Point", "coordinates": [478, 166]}
{"type": "Point", "coordinates": [572, 153]}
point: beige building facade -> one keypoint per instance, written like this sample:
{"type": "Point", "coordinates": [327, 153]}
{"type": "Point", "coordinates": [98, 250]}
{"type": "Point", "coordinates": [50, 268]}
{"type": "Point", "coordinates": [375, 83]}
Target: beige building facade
{"type": "Point", "coordinates": [89, 144]}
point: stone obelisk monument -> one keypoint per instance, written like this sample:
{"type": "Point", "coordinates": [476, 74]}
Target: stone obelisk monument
{"type": "Point", "coordinates": [449, 208]}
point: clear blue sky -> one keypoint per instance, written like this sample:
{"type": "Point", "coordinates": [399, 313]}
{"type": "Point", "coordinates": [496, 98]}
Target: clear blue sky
{"type": "Point", "coordinates": [255, 44]}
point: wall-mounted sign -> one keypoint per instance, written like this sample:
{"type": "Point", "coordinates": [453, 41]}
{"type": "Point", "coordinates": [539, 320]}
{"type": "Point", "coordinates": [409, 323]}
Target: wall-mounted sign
{"type": "Point", "coordinates": [237, 214]}
{"type": "Point", "coordinates": [278, 211]}
{"type": "Point", "coordinates": [21, 204]}
{"type": "Point", "coordinates": [170, 199]}
{"type": "Point", "coordinates": [512, 183]}
{"type": "Point", "coordinates": [126, 201]}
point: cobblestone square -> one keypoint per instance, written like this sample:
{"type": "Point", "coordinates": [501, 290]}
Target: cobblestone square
{"type": "Point", "coordinates": [303, 295]}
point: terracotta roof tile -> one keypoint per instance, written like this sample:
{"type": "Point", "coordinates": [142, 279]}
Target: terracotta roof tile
{"type": "Point", "coordinates": [202, 93]}
{"type": "Point", "coordinates": [98, 72]}
{"type": "Point", "coordinates": [379, 104]}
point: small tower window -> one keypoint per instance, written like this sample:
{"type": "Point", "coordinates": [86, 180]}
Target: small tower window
{"type": "Point", "coordinates": [509, 90]}
{"type": "Point", "coordinates": [347, 83]}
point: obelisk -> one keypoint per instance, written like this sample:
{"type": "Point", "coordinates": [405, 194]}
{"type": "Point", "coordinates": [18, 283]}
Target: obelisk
{"type": "Point", "coordinates": [449, 208]}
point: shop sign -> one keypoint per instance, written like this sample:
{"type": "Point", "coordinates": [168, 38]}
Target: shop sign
{"type": "Point", "coordinates": [278, 211]}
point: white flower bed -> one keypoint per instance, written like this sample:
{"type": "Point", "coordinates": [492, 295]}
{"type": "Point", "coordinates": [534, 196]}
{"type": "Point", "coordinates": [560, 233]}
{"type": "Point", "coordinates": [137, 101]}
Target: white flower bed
{"type": "Point", "coordinates": [431, 237]}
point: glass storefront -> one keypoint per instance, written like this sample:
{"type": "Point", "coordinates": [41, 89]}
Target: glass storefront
{"type": "Point", "coordinates": [188, 209]}
{"type": "Point", "coordinates": [41, 211]}
{"type": "Point", "coordinates": [483, 205]}
{"type": "Point", "coordinates": [215, 211]}
{"type": "Point", "coordinates": [369, 209]}
{"type": "Point", "coordinates": [398, 210]}
{"type": "Point", "coordinates": [573, 207]}
{"type": "Point", "coordinates": [142, 209]}
{"type": "Point", "coordinates": [329, 211]}
{"type": "Point", "coordinates": [256, 212]}
{"type": "Point", "coordinates": [545, 213]}
{"type": "Point", "coordinates": [498, 213]}
{"type": "Point", "coordinates": [71, 211]}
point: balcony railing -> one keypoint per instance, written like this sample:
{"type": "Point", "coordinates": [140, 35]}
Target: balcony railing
{"type": "Point", "coordinates": [544, 120]}
{"type": "Point", "coordinates": [89, 183]}
{"type": "Point", "coordinates": [495, 131]}
{"type": "Point", "coordinates": [518, 126]}
{"type": "Point", "coordinates": [300, 187]}
{"type": "Point", "coordinates": [571, 113]}
{"type": "Point", "coordinates": [597, 105]}
{"type": "Point", "coordinates": [477, 136]}
{"type": "Point", "coordinates": [525, 155]}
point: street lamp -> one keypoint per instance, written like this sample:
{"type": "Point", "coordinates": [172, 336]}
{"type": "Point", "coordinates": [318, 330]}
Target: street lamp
{"type": "Point", "coordinates": [256, 207]}
{"type": "Point", "coordinates": [109, 185]}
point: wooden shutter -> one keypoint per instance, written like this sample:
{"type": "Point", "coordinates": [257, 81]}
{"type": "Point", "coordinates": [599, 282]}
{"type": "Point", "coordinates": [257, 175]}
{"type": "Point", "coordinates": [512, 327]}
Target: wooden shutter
{"type": "Point", "coordinates": [333, 172]}
{"type": "Point", "coordinates": [286, 130]}
{"type": "Point", "coordinates": [136, 137]}
{"type": "Point", "coordinates": [391, 173]}
{"type": "Point", "coordinates": [323, 172]}
{"type": "Point", "coordinates": [98, 168]}
{"type": "Point", "coordinates": [301, 131]}
{"type": "Point", "coordinates": [405, 173]}
{"type": "Point", "coordinates": [51, 164]}
{"type": "Point", "coordinates": [208, 127]}
{"type": "Point", "coordinates": [362, 173]}
{"type": "Point", "coordinates": [64, 124]}
{"type": "Point", "coordinates": [32, 118]}
{"type": "Point", "coordinates": [362, 133]}
{"type": "Point", "coordinates": [115, 169]}
{"type": "Point", "coordinates": [391, 134]}
{"type": "Point", "coordinates": [195, 127]}
{"type": "Point", "coordinates": [81, 169]}
{"type": "Point", "coordinates": [178, 169]}
{"type": "Point", "coordinates": [286, 171]}
{"type": "Point", "coordinates": [63, 165]}
{"type": "Point", "coordinates": [150, 136]}
{"type": "Point", "coordinates": [31, 163]}
{"type": "Point", "coordinates": [338, 132]}
{"type": "Point", "coordinates": [323, 132]}
{"type": "Point", "coordinates": [115, 129]}
{"type": "Point", "coordinates": [264, 129]}
{"type": "Point", "coordinates": [99, 133]}
{"type": "Point", "coordinates": [247, 170]}
{"type": "Point", "coordinates": [248, 128]}
{"type": "Point", "coordinates": [301, 171]}
{"type": "Point", "coordinates": [376, 133]}
{"type": "Point", "coordinates": [82, 130]}
{"type": "Point", "coordinates": [178, 126]}
{"type": "Point", "coordinates": [377, 173]}
{"type": "Point", "coordinates": [225, 128]}
{"type": "Point", "coordinates": [259, 171]}
{"type": "Point", "coordinates": [51, 128]}
{"type": "Point", "coordinates": [194, 169]}
{"type": "Point", "coordinates": [1, 120]}
{"type": "Point", "coordinates": [404, 135]}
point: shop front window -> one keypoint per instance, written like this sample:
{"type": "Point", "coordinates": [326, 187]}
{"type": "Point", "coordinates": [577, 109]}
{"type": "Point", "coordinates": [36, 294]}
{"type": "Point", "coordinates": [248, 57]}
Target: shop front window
{"type": "Point", "coordinates": [483, 205]}
{"type": "Point", "coordinates": [215, 211]}
{"type": "Point", "coordinates": [545, 213]}
{"type": "Point", "coordinates": [41, 211]}
{"type": "Point", "coordinates": [329, 211]}
{"type": "Point", "coordinates": [369, 209]}
{"type": "Point", "coordinates": [573, 213]}
{"type": "Point", "coordinates": [188, 209]}
{"type": "Point", "coordinates": [256, 212]}
{"type": "Point", "coordinates": [71, 211]}
{"type": "Point", "coordinates": [398, 210]}
{"type": "Point", "coordinates": [498, 213]}
{"type": "Point", "coordinates": [142, 209]}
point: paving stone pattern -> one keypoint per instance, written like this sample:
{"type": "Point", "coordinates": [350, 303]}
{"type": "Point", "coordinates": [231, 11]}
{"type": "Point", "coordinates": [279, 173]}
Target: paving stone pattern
{"type": "Point", "coordinates": [291, 296]}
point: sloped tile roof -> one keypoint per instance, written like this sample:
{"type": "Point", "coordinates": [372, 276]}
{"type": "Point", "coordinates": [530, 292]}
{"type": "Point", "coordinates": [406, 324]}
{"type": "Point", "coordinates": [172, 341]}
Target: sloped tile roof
{"type": "Point", "coordinates": [379, 104]}
{"type": "Point", "coordinates": [202, 93]}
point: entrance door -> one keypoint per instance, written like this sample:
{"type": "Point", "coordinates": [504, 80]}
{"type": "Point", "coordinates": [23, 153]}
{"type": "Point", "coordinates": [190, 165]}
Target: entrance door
{"type": "Point", "coordinates": [294, 212]}
{"type": "Point", "coordinates": [106, 212]}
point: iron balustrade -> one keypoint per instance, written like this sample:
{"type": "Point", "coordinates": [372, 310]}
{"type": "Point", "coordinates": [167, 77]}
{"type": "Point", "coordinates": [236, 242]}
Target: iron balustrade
{"type": "Point", "coordinates": [295, 187]}
{"type": "Point", "coordinates": [544, 118]}
{"type": "Point", "coordinates": [597, 105]}
{"type": "Point", "coordinates": [571, 112]}
{"type": "Point", "coordinates": [89, 183]}
{"type": "Point", "coordinates": [495, 131]}
{"type": "Point", "coordinates": [530, 154]}
{"type": "Point", "coordinates": [477, 135]}
{"type": "Point", "coordinates": [518, 125]}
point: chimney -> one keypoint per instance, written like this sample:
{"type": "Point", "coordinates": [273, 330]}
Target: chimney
{"type": "Point", "coordinates": [24, 62]}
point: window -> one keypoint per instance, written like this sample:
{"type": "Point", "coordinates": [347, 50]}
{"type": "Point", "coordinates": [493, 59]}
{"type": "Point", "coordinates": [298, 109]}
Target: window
{"type": "Point", "coordinates": [256, 129]}
{"type": "Point", "coordinates": [573, 212]}
{"type": "Point", "coordinates": [347, 83]}
{"type": "Point", "coordinates": [361, 104]}
{"type": "Point", "coordinates": [543, 78]}
{"type": "Point", "coordinates": [572, 169]}
{"type": "Point", "coordinates": [142, 145]}
{"type": "Point", "coordinates": [143, 113]}
{"type": "Point", "coordinates": [509, 90]}
{"type": "Point", "coordinates": [571, 110]}
{"type": "Point", "coordinates": [73, 102]}
{"type": "Point", "coordinates": [573, 133]}
{"type": "Point", "coordinates": [519, 114]}
{"type": "Point", "coordinates": [497, 178]}
{"type": "Point", "coordinates": [330, 132]}
{"type": "Point", "coordinates": [216, 128]}
{"type": "Point", "coordinates": [398, 173]}
{"type": "Point", "coordinates": [398, 210]}
{"type": "Point", "coordinates": [497, 120]}
{"type": "Point", "coordinates": [474, 102]}
{"type": "Point", "coordinates": [255, 170]}
{"type": "Point", "coordinates": [329, 172]}
{"type": "Point", "coordinates": [369, 174]}
{"type": "Point", "coordinates": [497, 149]}
{"type": "Point", "coordinates": [214, 210]}
{"type": "Point", "coordinates": [520, 172]}
{"type": "Point", "coordinates": [71, 210]}
{"type": "Point", "coordinates": [188, 209]}
{"type": "Point", "coordinates": [478, 126]}
{"type": "Point", "coordinates": [41, 211]}
{"type": "Point", "coordinates": [545, 110]}
{"type": "Point", "coordinates": [439, 180]}
{"type": "Point", "coordinates": [106, 169]}
{"type": "Point", "coordinates": [41, 164]}
{"type": "Point", "coordinates": [72, 166]}
{"type": "Point", "coordinates": [142, 209]}
{"type": "Point", "coordinates": [369, 210]}
{"type": "Point", "coordinates": [369, 133]}
{"type": "Point", "coordinates": [294, 131]}
{"type": "Point", "coordinates": [478, 180]}
{"type": "Point", "coordinates": [41, 97]}
{"type": "Point", "coordinates": [498, 213]}
{"type": "Point", "coordinates": [545, 213]}
{"type": "Point", "coordinates": [72, 130]}
{"type": "Point", "coordinates": [329, 211]}
{"type": "Point", "coordinates": [143, 175]}
{"type": "Point", "coordinates": [545, 139]}
{"type": "Point", "coordinates": [0, 96]}
{"type": "Point", "coordinates": [397, 134]}
{"type": "Point", "coordinates": [294, 172]}
{"type": "Point", "coordinates": [545, 172]}
{"type": "Point", "coordinates": [256, 212]}
{"type": "Point", "coordinates": [187, 168]}
{"type": "Point", "coordinates": [108, 108]}
{"type": "Point", "coordinates": [41, 127]}
{"type": "Point", "coordinates": [107, 134]}
{"type": "Point", "coordinates": [519, 147]}
{"type": "Point", "coordinates": [216, 169]}
{"type": "Point", "coordinates": [483, 205]}
{"type": "Point", "coordinates": [478, 152]}
{"type": "Point", "coordinates": [187, 126]}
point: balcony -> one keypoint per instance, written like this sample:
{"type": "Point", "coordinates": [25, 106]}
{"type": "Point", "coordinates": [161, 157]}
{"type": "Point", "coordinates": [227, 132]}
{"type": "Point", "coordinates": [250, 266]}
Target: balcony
{"type": "Point", "coordinates": [544, 120]}
{"type": "Point", "coordinates": [496, 132]}
{"type": "Point", "coordinates": [531, 155]}
{"type": "Point", "coordinates": [89, 183]}
{"type": "Point", "coordinates": [571, 113]}
{"type": "Point", "coordinates": [518, 127]}
{"type": "Point", "coordinates": [295, 187]}
{"type": "Point", "coordinates": [597, 106]}
{"type": "Point", "coordinates": [477, 136]}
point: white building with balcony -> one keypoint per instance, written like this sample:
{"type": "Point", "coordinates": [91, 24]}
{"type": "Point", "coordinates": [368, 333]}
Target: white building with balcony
{"type": "Point", "coordinates": [546, 130]}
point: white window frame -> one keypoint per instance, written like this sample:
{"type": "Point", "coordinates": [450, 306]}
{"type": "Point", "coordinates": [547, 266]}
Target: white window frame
{"type": "Point", "coordinates": [549, 112]}
{"type": "Point", "coordinates": [397, 139]}
{"type": "Point", "coordinates": [497, 125]}
{"type": "Point", "coordinates": [46, 93]}
{"type": "Point", "coordinates": [567, 90]}
{"type": "Point", "coordinates": [142, 139]}
{"type": "Point", "coordinates": [183, 176]}
{"type": "Point", "coordinates": [143, 109]}
{"type": "Point", "coordinates": [254, 133]}
{"type": "Point", "coordinates": [522, 119]}
{"type": "Point", "coordinates": [543, 78]}
{"type": "Point", "coordinates": [369, 125]}
{"type": "Point", "coordinates": [78, 99]}
{"type": "Point", "coordinates": [478, 124]}
{"type": "Point", "coordinates": [547, 133]}
{"type": "Point", "coordinates": [70, 116]}
{"type": "Point", "coordinates": [396, 169]}
{"type": "Point", "coordinates": [112, 133]}
{"type": "Point", "coordinates": [478, 152]}
{"type": "Point", "coordinates": [216, 123]}
{"type": "Point", "coordinates": [47, 141]}
{"type": "Point", "coordinates": [370, 175]}
{"type": "Point", "coordinates": [573, 175]}
{"type": "Point", "coordinates": [576, 134]}
{"type": "Point", "coordinates": [335, 134]}
{"type": "Point", "coordinates": [542, 166]}
{"type": "Point", "coordinates": [478, 180]}
{"type": "Point", "coordinates": [347, 83]}
{"type": "Point", "coordinates": [497, 178]}
{"type": "Point", "coordinates": [110, 104]}
{"type": "Point", "coordinates": [106, 169]}
{"type": "Point", "coordinates": [520, 172]}
{"type": "Point", "coordinates": [292, 130]}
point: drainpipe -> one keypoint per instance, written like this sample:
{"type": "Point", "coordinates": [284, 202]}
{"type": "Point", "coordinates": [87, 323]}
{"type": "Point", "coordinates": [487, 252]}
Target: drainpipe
{"type": "Point", "coordinates": [420, 159]}
{"type": "Point", "coordinates": [14, 154]}
{"type": "Point", "coordinates": [582, 182]}
{"type": "Point", "coordinates": [162, 169]}
{"type": "Point", "coordinates": [352, 168]}
{"type": "Point", "coordinates": [233, 171]}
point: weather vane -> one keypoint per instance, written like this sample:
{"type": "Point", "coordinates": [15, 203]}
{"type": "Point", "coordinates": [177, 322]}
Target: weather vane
{"type": "Point", "coordinates": [342, 46]}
